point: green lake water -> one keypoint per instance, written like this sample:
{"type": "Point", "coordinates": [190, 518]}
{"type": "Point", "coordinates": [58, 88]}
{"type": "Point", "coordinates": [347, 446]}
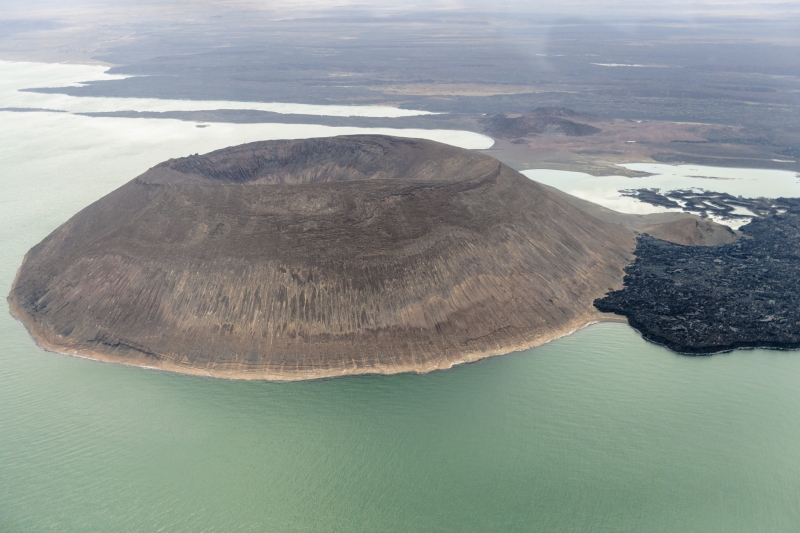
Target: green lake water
{"type": "Point", "coordinates": [598, 431]}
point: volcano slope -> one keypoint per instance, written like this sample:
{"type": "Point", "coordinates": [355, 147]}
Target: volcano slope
{"type": "Point", "coordinates": [322, 257]}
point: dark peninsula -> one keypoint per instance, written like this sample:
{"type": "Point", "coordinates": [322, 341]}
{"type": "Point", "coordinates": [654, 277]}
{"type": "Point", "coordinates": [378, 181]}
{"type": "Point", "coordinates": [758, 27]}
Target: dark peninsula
{"type": "Point", "coordinates": [703, 300]}
{"type": "Point", "coordinates": [321, 257]}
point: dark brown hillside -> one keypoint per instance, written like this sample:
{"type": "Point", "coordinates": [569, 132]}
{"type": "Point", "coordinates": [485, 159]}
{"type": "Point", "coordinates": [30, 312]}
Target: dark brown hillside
{"type": "Point", "coordinates": [543, 121]}
{"type": "Point", "coordinates": [311, 258]}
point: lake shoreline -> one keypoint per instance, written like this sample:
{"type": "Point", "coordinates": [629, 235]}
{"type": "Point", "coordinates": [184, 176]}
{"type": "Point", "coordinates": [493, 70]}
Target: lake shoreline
{"type": "Point", "coordinates": [233, 374]}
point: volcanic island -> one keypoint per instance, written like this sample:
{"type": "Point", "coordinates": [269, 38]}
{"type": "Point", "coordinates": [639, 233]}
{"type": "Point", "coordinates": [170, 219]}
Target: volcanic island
{"type": "Point", "coordinates": [325, 257]}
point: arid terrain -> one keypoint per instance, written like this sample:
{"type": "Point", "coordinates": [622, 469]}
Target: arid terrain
{"type": "Point", "coordinates": [558, 138]}
{"type": "Point", "coordinates": [614, 141]}
{"type": "Point", "coordinates": [700, 88]}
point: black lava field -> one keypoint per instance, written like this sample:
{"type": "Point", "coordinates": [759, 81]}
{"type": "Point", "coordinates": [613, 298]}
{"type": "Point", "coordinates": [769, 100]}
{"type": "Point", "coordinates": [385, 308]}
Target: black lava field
{"type": "Point", "coordinates": [708, 299]}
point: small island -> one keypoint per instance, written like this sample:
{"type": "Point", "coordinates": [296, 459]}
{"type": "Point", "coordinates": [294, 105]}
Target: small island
{"type": "Point", "coordinates": [322, 257]}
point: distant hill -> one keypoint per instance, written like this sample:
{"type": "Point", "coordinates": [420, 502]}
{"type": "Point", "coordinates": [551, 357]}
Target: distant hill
{"type": "Point", "coordinates": [542, 121]}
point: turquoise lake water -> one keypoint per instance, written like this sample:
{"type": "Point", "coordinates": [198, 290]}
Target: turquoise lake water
{"type": "Point", "coordinates": [598, 431]}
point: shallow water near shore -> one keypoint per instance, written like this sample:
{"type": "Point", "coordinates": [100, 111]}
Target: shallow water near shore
{"type": "Point", "coordinates": [597, 431]}
{"type": "Point", "coordinates": [607, 190]}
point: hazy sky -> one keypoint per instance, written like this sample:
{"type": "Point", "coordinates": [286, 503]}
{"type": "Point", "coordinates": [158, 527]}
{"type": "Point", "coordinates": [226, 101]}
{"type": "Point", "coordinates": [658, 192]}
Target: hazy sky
{"type": "Point", "coordinates": [606, 8]}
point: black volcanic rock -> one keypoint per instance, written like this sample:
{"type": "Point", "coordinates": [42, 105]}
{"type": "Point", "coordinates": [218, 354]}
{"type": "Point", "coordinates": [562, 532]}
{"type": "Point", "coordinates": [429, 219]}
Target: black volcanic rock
{"type": "Point", "coordinates": [702, 300]}
{"type": "Point", "coordinates": [320, 257]}
{"type": "Point", "coordinates": [719, 204]}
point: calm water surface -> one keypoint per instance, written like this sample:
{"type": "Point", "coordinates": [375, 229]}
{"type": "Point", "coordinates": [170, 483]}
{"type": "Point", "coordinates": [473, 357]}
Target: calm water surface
{"type": "Point", "coordinates": [599, 431]}
{"type": "Point", "coordinates": [596, 432]}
